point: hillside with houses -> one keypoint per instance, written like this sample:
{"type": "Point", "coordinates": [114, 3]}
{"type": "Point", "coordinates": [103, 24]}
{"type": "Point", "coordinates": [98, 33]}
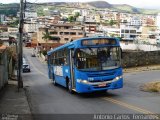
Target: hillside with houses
{"type": "Point", "coordinates": [54, 24]}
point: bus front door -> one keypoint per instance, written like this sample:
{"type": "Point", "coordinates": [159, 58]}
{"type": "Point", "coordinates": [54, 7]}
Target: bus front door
{"type": "Point", "coordinates": [72, 68]}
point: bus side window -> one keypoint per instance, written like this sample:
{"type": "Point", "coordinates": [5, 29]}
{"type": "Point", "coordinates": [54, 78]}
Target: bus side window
{"type": "Point", "coordinates": [61, 61]}
{"type": "Point", "coordinates": [65, 61]}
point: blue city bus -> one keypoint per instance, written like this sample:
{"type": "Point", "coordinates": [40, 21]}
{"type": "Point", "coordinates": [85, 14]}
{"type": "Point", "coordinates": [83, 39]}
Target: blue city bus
{"type": "Point", "coordinates": [87, 65]}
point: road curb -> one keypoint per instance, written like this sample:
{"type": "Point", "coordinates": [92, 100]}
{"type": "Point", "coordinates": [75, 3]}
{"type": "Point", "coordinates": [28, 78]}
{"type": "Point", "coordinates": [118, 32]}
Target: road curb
{"type": "Point", "coordinates": [141, 69]}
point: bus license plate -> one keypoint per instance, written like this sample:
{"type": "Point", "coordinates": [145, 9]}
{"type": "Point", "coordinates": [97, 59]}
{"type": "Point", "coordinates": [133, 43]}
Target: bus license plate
{"type": "Point", "coordinates": [102, 85]}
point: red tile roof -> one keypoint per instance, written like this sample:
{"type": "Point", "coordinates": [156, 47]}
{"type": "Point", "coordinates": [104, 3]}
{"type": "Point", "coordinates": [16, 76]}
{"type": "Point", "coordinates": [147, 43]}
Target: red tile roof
{"type": "Point", "coordinates": [2, 48]}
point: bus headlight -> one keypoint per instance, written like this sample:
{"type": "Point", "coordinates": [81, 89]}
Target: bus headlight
{"type": "Point", "coordinates": [82, 81]}
{"type": "Point", "coordinates": [117, 78]}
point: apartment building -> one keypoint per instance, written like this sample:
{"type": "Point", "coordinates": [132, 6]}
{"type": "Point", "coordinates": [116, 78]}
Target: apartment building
{"type": "Point", "coordinates": [60, 33]}
{"type": "Point", "coordinates": [90, 18]}
{"type": "Point", "coordinates": [158, 20]}
{"type": "Point", "coordinates": [110, 15]}
{"type": "Point", "coordinates": [129, 32]}
{"type": "Point", "coordinates": [29, 14]}
{"type": "Point", "coordinates": [13, 32]}
{"type": "Point", "coordinates": [90, 27]}
{"type": "Point", "coordinates": [85, 12]}
{"type": "Point", "coordinates": [4, 36]}
{"type": "Point", "coordinates": [2, 18]}
{"type": "Point", "coordinates": [148, 34]}
{"type": "Point", "coordinates": [135, 21]}
{"type": "Point", "coordinates": [30, 27]}
{"type": "Point", "coordinates": [3, 28]}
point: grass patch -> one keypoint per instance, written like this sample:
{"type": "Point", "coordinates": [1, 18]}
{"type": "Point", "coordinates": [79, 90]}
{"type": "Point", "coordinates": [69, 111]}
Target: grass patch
{"type": "Point", "coordinates": [151, 87]}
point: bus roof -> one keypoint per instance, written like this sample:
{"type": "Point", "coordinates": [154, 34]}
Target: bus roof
{"type": "Point", "coordinates": [77, 43]}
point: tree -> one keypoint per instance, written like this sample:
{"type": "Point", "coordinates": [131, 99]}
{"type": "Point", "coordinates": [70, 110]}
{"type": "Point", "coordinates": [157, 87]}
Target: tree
{"type": "Point", "coordinates": [71, 18]}
{"type": "Point", "coordinates": [46, 35]}
{"type": "Point", "coordinates": [77, 14]}
{"type": "Point", "coordinates": [14, 24]}
{"type": "Point", "coordinates": [112, 22]}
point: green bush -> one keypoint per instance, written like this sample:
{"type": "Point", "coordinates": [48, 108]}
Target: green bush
{"type": "Point", "coordinates": [44, 52]}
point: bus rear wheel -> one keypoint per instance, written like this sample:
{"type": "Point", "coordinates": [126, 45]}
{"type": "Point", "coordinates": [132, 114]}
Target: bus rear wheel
{"type": "Point", "coordinates": [104, 91]}
{"type": "Point", "coordinates": [54, 82]}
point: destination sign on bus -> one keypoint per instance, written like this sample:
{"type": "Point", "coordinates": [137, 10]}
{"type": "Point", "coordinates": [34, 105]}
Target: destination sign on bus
{"type": "Point", "coordinates": [98, 42]}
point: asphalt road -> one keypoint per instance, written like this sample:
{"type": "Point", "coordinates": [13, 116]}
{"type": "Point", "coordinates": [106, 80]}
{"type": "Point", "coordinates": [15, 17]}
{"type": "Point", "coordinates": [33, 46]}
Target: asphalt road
{"type": "Point", "coordinates": [45, 98]}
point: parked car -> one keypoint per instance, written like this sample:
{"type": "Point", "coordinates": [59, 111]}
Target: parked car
{"type": "Point", "coordinates": [26, 68]}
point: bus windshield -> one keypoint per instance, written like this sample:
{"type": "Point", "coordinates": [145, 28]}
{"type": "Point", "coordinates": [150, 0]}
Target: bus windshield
{"type": "Point", "coordinates": [97, 59]}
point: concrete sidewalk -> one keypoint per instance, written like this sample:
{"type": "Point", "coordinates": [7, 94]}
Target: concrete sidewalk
{"type": "Point", "coordinates": [13, 103]}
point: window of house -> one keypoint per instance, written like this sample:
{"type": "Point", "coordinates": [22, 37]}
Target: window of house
{"type": "Point", "coordinates": [122, 35]}
{"type": "Point", "coordinates": [66, 39]}
{"type": "Point", "coordinates": [53, 33]}
{"type": "Point", "coordinates": [66, 33]}
{"type": "Point", "coordinates": [122, 31]}
{"type": "Point", "coordinates": [126, 31]}
{"type": "Point", "coordinates": [72, 33]}
{"type": "Point", "coordinates": [132, 36]}
{"type": "Point", "coordinates": [66, 27]}
{"type": "Point", "coordinates": [80, 33]}
{"type": "Point", "coordinates": [54, 38]}
{"type": "Point", "coordinates": [61, 33]}
{"type": "Point", "coordinates": [132, 31]}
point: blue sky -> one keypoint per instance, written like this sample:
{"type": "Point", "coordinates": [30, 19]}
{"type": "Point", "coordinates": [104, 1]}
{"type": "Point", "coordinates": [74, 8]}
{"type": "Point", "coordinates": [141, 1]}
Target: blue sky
{"type": "Point", "coordinates": [137, 3]}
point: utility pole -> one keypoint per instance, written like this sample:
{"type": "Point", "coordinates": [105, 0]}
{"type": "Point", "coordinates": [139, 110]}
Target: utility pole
{"type": "Point", "coordinates": [20, 49]}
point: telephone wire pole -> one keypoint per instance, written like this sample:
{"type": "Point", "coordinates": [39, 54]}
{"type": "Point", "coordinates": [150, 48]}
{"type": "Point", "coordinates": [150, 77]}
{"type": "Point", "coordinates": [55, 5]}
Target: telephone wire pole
{"type": "Point", "coordinates": [20, 49]}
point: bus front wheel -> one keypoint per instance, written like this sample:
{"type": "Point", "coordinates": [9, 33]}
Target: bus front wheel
{"type": "Point", "coordinates": [69, 86]}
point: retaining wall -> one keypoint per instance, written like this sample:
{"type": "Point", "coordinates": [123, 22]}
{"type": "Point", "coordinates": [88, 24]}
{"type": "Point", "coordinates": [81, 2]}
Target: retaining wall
{"type": "Point", "coordinates": [140, 58]}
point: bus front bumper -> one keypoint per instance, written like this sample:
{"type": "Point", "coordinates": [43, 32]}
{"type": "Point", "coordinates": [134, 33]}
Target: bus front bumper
{"type": "Point", "coordinates": [86, 87]}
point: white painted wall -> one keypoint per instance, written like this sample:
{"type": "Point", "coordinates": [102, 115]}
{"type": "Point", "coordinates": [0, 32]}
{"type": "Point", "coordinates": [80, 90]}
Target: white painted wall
{"type": "Point", "coordinates": [144, 47]}
{"type": "Point", "coordinates": [158, 20]}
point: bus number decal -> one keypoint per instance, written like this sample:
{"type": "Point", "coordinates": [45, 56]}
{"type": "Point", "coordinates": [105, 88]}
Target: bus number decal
{"type": "Point", "coordinates": [58, 70]}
